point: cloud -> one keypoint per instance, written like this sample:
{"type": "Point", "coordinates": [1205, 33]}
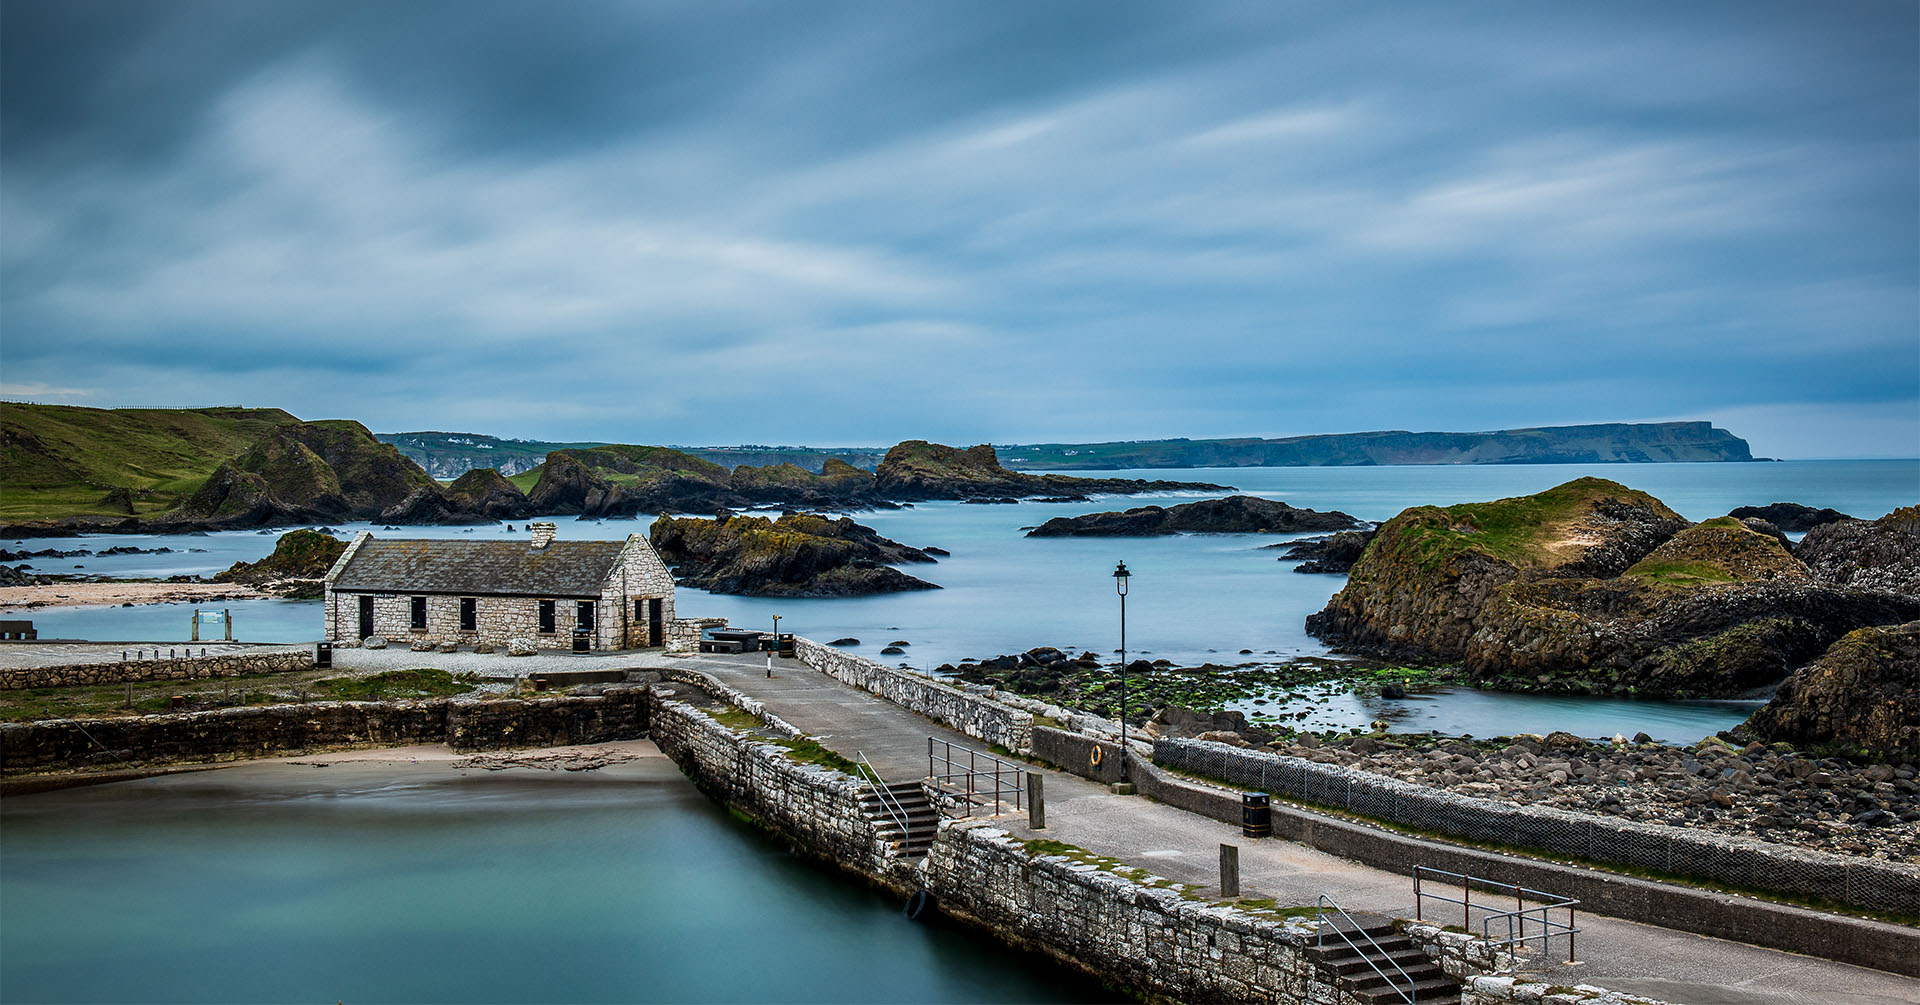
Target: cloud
{"type": "Point", "coordinates": [1058, 222]}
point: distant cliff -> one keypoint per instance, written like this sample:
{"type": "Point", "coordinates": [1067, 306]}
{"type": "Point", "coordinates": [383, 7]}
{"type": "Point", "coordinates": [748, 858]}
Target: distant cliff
{"type": "Point", "coordinates": [1604, 443]}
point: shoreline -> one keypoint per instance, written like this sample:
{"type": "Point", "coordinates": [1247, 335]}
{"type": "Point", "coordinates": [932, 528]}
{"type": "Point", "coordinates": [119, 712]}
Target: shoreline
{"type": "Point", "coordinates": [122, 594]}
{"type": "Point", "coordinates": [571, 759]}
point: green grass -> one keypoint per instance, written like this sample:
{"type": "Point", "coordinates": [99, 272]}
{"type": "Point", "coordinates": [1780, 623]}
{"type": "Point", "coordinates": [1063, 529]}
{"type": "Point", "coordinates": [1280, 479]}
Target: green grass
{"type": "Point", "coordinates": [62, 460]}
{"type": "Point", "coordinates": [1683, 573]}
{"type": "Point", "coordinates": [735, 718]}
{"type": "Point", "coordinates": [394, 685]}
{"type": "Point", "coordinates": [1519, 530]}
{"type": "Point", "coordinates": [807, 750]}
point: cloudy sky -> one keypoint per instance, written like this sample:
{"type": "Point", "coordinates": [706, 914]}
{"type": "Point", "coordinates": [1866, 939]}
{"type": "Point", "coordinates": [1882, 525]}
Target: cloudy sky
{"type": "Point", "coordinates": [854, 223]}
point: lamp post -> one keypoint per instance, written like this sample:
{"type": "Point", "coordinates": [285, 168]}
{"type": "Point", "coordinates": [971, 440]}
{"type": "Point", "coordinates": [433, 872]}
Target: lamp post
{"type": "Point", "coordinates": [776, 644]}
{"type": "Point", "coordinates": [1120, 577]}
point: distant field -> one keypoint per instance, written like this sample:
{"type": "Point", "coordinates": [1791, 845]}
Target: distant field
{"type": "Point", "coordinates": [62, 460]}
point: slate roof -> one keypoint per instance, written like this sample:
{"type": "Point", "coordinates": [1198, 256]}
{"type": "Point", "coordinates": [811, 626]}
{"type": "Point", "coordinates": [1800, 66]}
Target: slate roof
{"type": "Point", "coordinates": [561, 569]}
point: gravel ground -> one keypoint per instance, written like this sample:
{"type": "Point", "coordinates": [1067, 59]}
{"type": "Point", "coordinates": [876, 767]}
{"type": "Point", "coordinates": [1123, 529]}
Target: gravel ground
{"type": "Point", "coordinates": [1770, 793]}
{"type": "Point", "coordinates": [498, 666]}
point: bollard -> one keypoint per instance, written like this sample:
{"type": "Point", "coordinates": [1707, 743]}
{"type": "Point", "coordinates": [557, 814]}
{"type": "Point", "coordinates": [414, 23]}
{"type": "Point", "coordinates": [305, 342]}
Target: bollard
{"type": "Point", "coordinates": [539, 683]}
{"type": "Point", "coordinates": [129, 694]}
{"type": "Point", "coordinates": [1229, 870]}
{"type": "Point", "coordinates": [1036, 802]}
{"type": "Point", "coordinates": [179, 701]}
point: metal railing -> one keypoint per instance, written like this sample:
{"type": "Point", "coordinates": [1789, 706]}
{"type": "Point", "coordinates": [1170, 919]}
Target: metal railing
{"type": "Point", "coordinates": [1495, 913]}
{"type": "Point", "coordinates": [1346, 936]}
{"type": "Point", "coordinates": [888, 801]}
{"type": "Point", "coordinates": [976, 780]}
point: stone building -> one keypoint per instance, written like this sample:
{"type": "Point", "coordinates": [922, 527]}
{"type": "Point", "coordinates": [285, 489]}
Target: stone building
{"type": "Point", "coordinates": [467, 592]}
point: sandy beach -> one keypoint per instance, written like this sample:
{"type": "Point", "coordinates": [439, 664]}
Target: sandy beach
{"type": "Point", "coordinates": [27, 598]}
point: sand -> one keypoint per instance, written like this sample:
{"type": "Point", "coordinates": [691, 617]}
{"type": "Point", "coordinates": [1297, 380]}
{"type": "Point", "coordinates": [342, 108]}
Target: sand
{"type": "Point", "coordinates": [17, 598]}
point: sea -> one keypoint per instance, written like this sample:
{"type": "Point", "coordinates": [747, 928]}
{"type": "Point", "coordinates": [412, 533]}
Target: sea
{"type": "Point", "coordinates": [1193, 598]}
{"type": "Point", "coordinates": [386, 883]}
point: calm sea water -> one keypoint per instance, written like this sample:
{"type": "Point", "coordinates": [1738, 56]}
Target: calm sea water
{"type": "Point", "coordinates": [1193, 597]}
{"type": "Point", "coordinates": [419, 884]}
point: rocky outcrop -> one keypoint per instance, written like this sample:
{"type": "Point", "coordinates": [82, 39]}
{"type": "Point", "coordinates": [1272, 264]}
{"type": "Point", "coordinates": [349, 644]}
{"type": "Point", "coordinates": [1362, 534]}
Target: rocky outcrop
{"type": "Point", "coordinates": [1418, 590]}
{"type": "Point", "coordinates": [798, 555]}
{"type": "Point", "coordinates": [1788, 516]}
{"type": "Point", "coordinates": [485, 492]}
{"type": "Point", "coordinates": [1232, 515]}
{"type": "Point", "coordinates": [1593, 588]}
{"type": "Point", "coordinates": [307, 472]}
{"type": "Point", "coordinates": [622, 480]}
{"type": "Point", "coordinates": [1333, 553]}
{"type": "Point", "coordinates": [1862, 697]}
{"type": "Point", "coordinates": [916, 469]}
{"type": "Point", "coordinates": [838, 484]}
{"type": "Point", "coordinates": [297, 567]}
{"type": "Point", "coordinates": [1883, 554]}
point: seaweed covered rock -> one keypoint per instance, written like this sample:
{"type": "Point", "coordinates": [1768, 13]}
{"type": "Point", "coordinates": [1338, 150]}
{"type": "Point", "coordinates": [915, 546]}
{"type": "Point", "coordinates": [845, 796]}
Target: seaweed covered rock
{"type": "Point", "coordinates": [297, 567]}
{"type": "Point", "coordinates": [1862, 697]}
{"type": "Point", "coordinates": [1417, 591]}
{"type": "Point", "coordinates": [797, 555]}
{"type": "Point", "coordinates": [1231, 515]}
{"type": "Point", "coordinates": [1883, 554]}
{"type": "Point", "coordinates": [1790, 516]}
{"type": "Point", "coordinates": [1333, 553]}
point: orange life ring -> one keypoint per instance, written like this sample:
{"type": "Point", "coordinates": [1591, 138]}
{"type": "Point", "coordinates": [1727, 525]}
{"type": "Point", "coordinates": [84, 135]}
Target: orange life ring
{"type": "Point", "coordinates": [1097, 756]}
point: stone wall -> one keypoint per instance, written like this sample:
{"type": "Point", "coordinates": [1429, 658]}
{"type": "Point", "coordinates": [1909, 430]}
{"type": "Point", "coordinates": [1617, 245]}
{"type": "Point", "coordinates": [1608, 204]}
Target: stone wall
{"type": "Point", "coordinates": [1146, 938]}
{"type": "Point", "coordinates": [1501, 990]}
{"type": "Point", "coordinates": [1676, 851]}
{"type": "Point", "coordinates": [816, 808]}
{"type": "Point", "coordinates": [135, 671]}
{"type": "Point", "coordinates": [638, 575]}
{"type": "Point", "coordinates": [231, 734]}
{"type": "Point", "coordinates": [683, 634]}
{"type": "Point", "coordinates": [967, 708]}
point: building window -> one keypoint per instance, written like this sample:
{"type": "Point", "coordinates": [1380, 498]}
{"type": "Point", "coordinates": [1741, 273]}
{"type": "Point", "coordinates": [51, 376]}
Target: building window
{"type": "Point", "coordinates": [639, 608]}
{"type": "Point", "coordinates": [546, 617]}
{"type": "Point", "coordinates": [469, 614]}
{"type": "Point", "coordinates": [419, 614]}
{"type": "Point", "coordinates": [583, 615]}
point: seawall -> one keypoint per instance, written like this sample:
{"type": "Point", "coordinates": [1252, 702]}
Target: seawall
{"type": "Point", "coordinates": [135, 671]}
{"type": "Point", "coordinates": [230, 734]}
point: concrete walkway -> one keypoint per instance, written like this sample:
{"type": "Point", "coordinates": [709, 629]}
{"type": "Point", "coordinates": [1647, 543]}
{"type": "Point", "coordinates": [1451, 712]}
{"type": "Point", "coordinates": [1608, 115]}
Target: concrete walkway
{"type": "Point", "coordinates": [1619, 955]}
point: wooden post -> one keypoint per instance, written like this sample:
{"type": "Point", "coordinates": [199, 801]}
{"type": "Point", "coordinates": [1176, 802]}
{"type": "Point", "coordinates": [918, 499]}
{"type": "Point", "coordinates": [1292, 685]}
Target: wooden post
{"type": "Point", "coordinates": [226, 618]}
{"type": "Point", "coordinates": [196, 627]}
{"type": "Point", "coordinates": [1229, 870]}
{"type": "Point", "coordinates": [1036, 802]}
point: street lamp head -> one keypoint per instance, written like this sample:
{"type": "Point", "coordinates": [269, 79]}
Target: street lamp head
{"type": "Point", "coordinates": [1120, 576]}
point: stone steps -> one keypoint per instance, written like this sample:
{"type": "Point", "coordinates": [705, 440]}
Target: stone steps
{"type": "Point", "coordinates": [1372, 961]}
{"type": "Point", "coordinates": [922, 817]}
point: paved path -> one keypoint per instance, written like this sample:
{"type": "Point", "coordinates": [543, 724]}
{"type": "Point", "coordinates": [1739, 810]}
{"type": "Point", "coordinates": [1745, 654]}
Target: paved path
{"type": "Point", "coordinates": [1620, 955]}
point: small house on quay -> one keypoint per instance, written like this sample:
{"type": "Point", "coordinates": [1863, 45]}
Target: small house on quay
{"type": "Point", "coordinates": [468, 592]}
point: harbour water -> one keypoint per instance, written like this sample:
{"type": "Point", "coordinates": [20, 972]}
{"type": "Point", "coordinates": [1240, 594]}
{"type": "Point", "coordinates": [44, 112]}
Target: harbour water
{"type": "Point", "coordinates": [1193, 598]}
{"type": "Point", "coordinates": [420, 883]}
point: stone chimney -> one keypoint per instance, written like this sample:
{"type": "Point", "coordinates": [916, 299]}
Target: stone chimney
{"type": "Point", "coordinates": [542, 534]}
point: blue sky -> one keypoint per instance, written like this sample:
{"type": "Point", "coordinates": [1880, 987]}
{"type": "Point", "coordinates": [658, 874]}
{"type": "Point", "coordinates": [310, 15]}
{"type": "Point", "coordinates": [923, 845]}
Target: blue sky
{"type": "Point", "coordinates": [858, 223]}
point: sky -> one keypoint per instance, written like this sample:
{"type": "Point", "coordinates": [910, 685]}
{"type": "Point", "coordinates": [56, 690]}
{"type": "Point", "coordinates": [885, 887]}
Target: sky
{"type": "Point", "coordinates": [856, 223]}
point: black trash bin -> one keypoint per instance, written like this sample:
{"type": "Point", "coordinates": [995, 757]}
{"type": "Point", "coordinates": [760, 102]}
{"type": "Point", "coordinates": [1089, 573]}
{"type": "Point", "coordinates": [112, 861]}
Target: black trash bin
{"type": "Point", "coordinates": [1256, 815]}
{"type": "Point", "coordinates": [786, 644]}
{"type": "Point", "coordinates": [322, 655]}
{"type": "Point", "coordinates": [581, 637]}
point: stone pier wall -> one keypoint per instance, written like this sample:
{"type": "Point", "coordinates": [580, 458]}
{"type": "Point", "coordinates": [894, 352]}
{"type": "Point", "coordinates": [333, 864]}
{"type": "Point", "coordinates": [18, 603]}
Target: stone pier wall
{"type": "Point", "coordinates": [816, 808]}
{"type": "Point", "coordinates": [231, 734]}
{"type": "Point", "coordinates": [1145, 938]}
{"type": "Point", "coordinates": [971, 713]}
{"type": "Point", "coordinates": [137, 671]}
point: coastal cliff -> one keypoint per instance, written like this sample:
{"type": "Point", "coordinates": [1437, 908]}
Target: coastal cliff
{"type": "Point", "coordinates": [1595, 587]}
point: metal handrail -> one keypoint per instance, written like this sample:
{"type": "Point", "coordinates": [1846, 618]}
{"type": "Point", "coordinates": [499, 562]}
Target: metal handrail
{"type": "Point", "coordinates": [948, 781]}
{"type": "Point", "coordinates": [1516, 919]}
{"type": "Point", "coordinates": [1320, 911]}
{"type": "Point", "coordinates": [888, 801]}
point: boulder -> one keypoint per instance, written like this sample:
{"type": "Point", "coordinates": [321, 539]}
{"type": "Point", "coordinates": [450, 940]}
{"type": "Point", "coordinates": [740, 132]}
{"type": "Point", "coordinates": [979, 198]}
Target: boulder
{"type": "Point", "coordinates": [1789, 516]}
{"type": "Point", "coordinates": [1862, 696]}
{"type": "Point", "coordinates": [423, 645]}
{"type": "Point", "coordinates": [1883, 554]}
{"type": "Point", "coordinates": [522, 647]}
{"type": "Point", "coordinates": [373, 642]}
